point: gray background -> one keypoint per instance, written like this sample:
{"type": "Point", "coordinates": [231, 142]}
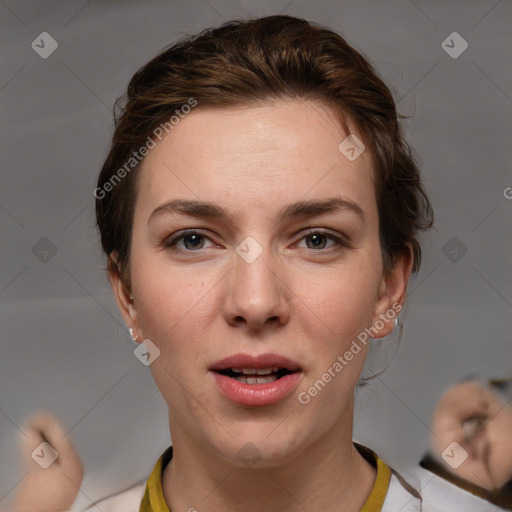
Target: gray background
{"type": "Point", "coordinates": [63, 344]}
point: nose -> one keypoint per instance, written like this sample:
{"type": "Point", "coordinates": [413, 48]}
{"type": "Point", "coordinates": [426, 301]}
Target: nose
{"type": "Point", "coordinates": [257, 296]}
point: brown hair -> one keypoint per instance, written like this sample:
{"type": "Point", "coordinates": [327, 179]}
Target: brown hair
{"type": "Point", "coordinates": [246, 62]}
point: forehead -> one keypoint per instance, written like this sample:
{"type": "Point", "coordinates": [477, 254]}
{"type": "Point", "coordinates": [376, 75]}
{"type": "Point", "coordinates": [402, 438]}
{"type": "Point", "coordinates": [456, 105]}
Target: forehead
{"type": "Point", "coordinates": [470, 393]}
{"type": "Point", "coordinates": [259, 155]}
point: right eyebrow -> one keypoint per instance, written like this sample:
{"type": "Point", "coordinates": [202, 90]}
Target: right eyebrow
{"type": "Point", "coordinates": [300, 209]}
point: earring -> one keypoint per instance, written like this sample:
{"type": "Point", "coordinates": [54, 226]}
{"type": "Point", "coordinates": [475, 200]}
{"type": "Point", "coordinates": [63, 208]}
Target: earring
{"type": "Point", "coordinates": [133, 334]}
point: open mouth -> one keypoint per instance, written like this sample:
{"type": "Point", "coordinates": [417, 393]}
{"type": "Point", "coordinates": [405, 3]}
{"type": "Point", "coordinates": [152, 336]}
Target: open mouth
{"type": "Point", "coordinates": [256, 376]}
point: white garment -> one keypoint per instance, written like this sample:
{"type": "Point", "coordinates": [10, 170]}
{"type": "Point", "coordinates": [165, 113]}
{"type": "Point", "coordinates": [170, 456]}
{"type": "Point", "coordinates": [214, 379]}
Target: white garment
{"type": "Point", "coordinates": [399, 498]}
{"type": "Point", "coordinates": [126, 501]}
{"type": "Point", "coordinates": [437, 495]}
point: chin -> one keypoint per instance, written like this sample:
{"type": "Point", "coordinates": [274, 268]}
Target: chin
{"type": "Point", "coordinates": [259, 451]}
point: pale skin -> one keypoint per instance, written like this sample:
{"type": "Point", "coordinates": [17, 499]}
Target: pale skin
{"type": "Point", "coordinates": [199, 305]}
{"type": "Point", "coordinates": [50, 489]}
{"type": "Point", "coordinates": [477, 418]}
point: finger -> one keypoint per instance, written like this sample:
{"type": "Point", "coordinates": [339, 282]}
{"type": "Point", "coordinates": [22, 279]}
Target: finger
{"type": "Point", "coordinates": [43, 427]}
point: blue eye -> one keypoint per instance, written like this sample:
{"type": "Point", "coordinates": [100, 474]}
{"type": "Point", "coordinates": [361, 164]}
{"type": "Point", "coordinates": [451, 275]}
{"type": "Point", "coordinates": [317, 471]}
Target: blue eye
{"type": "Point", "coordinates": [193, 236]}
{"type": "Point", "coordinates": [194, 241]}
{"type": "Point", "coordinates": [317, 236]}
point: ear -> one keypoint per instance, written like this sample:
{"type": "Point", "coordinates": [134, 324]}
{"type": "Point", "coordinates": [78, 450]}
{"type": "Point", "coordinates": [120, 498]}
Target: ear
{"type": "Point", "coordinates": [122, 294]}
{"type": "Point", "coordinates": [392, 293]}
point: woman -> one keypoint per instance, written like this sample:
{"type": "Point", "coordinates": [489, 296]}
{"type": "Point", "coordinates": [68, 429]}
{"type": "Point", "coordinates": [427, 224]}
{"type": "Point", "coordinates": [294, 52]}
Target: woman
{"type": "Point", "coordinates": [260, 212]}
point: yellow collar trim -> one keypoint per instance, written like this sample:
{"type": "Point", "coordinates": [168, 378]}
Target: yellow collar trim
{"type": "Point", "coordinates": [375, 501]}
{"type": "Point", "coordinates": [154, 501]}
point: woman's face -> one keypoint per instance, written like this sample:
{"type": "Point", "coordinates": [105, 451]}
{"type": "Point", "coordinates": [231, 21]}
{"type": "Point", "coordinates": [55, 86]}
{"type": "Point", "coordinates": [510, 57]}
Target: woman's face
{"type": "Point", "coordinates": [248, 279]}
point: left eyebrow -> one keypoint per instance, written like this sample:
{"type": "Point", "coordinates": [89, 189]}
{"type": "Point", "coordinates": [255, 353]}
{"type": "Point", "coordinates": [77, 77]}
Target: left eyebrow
{"type": "Point", "coordinates": [300, 209]}
{"type": "Point", "coordinates": [314, 208]}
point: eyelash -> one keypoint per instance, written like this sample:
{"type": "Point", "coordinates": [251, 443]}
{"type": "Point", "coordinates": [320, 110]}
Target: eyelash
{"type": "Point", "coordinates": [171, 242]}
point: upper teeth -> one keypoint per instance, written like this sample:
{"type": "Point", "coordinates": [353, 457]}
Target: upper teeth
{"type": "Point", "coordinates": [254, 371]}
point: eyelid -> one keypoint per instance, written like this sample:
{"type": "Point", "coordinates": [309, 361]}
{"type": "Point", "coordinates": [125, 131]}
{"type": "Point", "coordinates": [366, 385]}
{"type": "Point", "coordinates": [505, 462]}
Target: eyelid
{"type": "Point", "coordinates": [340, 239]}
{"type": "Point", "coordinates": [178, 236]}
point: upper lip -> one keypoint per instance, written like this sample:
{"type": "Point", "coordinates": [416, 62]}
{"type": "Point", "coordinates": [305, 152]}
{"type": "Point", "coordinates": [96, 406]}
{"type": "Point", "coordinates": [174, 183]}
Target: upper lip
{"type": "Point", "coordinates": [268, 360]}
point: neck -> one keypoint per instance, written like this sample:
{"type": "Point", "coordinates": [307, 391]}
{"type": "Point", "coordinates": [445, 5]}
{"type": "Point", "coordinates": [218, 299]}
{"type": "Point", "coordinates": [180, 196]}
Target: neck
{"type": "Point", "coordinates": [328, 475]}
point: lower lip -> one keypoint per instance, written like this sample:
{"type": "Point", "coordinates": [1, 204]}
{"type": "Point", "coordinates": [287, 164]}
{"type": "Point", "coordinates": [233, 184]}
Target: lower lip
{"type": "Point", "coordinates": [257, 394]}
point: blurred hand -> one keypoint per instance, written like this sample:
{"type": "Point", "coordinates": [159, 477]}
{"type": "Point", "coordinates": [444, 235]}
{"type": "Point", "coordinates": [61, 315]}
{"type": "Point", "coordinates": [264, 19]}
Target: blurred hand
{"type": "Point", "coordinates": [55, 488]}
{"type": "Point", "coordinates": [475, 417]}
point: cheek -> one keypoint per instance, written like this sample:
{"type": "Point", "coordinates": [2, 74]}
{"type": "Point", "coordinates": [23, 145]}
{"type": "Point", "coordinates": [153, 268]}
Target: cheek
{"type": "Point", "coordinates": [345, 303]}
{"type": "Point", "coordinates": [500, 434]}
{"type": "Point", "coordinates": [333, 319]}
{"type": "Point", "coordinates": [164, 299]}
{"type": "Point", "coordinates": [179, 312]}
{"type": "Point", "coordinates": [333, 304]}
{"type": "Point", "coordinates": [172, 313]}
